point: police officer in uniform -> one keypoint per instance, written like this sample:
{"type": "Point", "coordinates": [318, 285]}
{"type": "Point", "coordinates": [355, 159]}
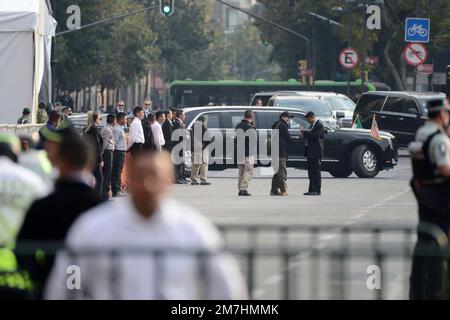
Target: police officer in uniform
{"type": "Point", "coordinates": [430, 154]}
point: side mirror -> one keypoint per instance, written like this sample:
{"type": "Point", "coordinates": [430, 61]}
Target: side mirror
{"type": "Point", "coordinates": [340, 115]}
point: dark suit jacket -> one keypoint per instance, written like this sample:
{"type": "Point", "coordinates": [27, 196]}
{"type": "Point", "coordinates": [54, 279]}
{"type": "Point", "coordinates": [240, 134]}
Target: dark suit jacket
{"type": "Point", "coordinates": [49, 219]}
{"type": "Point", "coordinates": [96, 141]}
{"type": "Point", "coordinates": [149, 143]}
{"type": "Point", "coordinates": [314, 140]}
{"type": "Point", "coordinates": [284, 137]}
{"type": "Point", "coordinates": [167, 128]}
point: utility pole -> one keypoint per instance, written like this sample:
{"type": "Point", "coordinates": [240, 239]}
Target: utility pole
{"type": "Point", "coordinates": [349, 41]}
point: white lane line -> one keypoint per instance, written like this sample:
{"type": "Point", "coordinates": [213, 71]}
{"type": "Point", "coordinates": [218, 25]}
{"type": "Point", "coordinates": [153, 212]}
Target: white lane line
{"type": "Point", "coordinates": [259, 292]}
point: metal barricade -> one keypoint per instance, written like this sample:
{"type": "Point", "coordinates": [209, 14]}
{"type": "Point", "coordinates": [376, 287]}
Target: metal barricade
{"type": "Point", "coordinates": [294, 262]}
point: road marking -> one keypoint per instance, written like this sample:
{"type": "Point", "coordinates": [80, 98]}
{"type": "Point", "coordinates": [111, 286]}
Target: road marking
{"type": "Point", "coordinates": [258, 293]}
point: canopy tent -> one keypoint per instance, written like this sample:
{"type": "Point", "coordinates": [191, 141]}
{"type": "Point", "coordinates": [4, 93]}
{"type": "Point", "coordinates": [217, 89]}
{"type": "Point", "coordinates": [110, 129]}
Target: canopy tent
{"type": "Point", "coordinates": [26, 31]}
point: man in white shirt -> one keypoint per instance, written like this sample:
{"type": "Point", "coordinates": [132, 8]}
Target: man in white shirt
{"type": "Point", "coordinates": [147, 222]}
{"type": "Point", "coordinates": [158, 135]}
{"type": "Point", "coordinates": [136, 132]}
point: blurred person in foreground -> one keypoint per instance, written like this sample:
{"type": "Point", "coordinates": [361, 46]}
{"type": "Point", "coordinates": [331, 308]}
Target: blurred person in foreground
{"type": "Point", "coordinates": [430, 155]}
{"type": "Point", "coordinates": [19, 187]}
{"type": "Point", "coordinates": [149, 219]}
{"type": "Point", "coordinates": [91, 132]}
{"type": "Point", "coordinates": [120, 149]}
{"type": "Point", "coordinates": [49, 218]}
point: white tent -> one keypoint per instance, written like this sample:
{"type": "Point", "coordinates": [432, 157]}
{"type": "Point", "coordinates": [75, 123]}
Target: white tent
{"type": "Point", "coordinates": [26, 31]}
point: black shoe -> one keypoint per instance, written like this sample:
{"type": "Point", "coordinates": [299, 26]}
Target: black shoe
{"type": "Point", "coordinates": [277, 193]}
{"type": "Point", "coordinates": [180, 182]}
{"type": "Point", "coordinates": [205, 183]}
{"type": "Point", "coordinates": [244, 193]}
{"type": "Point", "coordinates": [312, 194]}
{"type": "Point", "coordinates": [193, 183]}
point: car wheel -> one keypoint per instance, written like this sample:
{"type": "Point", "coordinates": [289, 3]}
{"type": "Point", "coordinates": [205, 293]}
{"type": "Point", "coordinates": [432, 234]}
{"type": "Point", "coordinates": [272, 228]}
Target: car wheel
{"type": "Point", "coordinates": [364, 162]}
{"type": "Point", "coordinates": [341, 171]}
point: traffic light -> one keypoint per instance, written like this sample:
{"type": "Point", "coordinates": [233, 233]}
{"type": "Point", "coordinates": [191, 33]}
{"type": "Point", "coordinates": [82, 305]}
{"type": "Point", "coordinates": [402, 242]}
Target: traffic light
{"type": "Point", "coordinates": [264, 40]}
{"type": "Point", "coordinates": [167, 7]}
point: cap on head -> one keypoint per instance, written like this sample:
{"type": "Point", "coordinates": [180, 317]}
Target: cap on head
{"type": "Point", "coordinates": [286, 114]}
{"type": "Point", "coordinates": [9, 146]}
{"type": "Point", "coordinates": [26, 111]}
{"type": "Point", "coordinates": [437, 105]}
{"type": "Point", "coordinates": [58, 135]}
{"type": "Point", "coordinates": [310, 115]}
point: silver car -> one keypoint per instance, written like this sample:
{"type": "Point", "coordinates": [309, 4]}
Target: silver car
{"type": "Point", "coordinates": [306, 103]}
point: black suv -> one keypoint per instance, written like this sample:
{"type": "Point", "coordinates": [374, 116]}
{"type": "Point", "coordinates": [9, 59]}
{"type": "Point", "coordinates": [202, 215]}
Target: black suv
{"type": "Point", "coordinates": [346, 150]}
{"type": "Point", "coordinates": [399, 113]}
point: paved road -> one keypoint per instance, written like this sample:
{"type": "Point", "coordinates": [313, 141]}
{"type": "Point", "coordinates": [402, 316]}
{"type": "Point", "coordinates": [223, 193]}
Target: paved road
{"type": "Point", "coordinates": [383, 201]}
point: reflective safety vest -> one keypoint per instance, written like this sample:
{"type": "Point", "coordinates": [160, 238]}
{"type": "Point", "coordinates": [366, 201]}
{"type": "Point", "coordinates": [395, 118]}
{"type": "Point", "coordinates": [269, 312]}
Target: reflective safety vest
{"type": "Point", "coordinates": [10, 276]}
{"type": "Point", "coordinates": [424, 171]}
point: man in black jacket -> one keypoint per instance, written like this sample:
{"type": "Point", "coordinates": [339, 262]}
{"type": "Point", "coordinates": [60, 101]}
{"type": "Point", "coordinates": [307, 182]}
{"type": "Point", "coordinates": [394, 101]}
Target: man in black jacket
{"type": "Point", "coordinates": [178, 123]}
{"type": "Point", "coordinates": [246, 140]}
{"type": "Point", "coordinates": [283, 137]}
{"type": "Point", "coordinates": [167, 128]}
{"type": "Point", "coordinates": [314, 153]}
{"type": "Point", "coordinates": [50, 218]}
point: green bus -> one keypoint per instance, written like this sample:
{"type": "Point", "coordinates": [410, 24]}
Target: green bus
{"type": "Point", "coordinates": [190, 93]}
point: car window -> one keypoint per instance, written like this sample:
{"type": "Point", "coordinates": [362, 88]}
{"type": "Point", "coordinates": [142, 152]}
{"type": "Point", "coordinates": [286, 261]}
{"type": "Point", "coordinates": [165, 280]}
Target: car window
{"type": "Point", "coordinates": [341, 103]}
{"type": "Point", "coordinates": [265, 119]}
{"type": "Point", "coordinates": [236, 118]}
{"type": "Point", "coordinates": [401, 105]}
{"type": "Point", "coordinates": [212, 120]}
{"type": "Point", "coordinates": [370, 102]}
{"type": "Point", "coordinates": [319, 107]}
{"type": "Point", "coordinates": [299, 121]}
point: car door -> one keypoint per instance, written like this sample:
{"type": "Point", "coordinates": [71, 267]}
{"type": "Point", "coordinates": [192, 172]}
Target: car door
{"type": "Point", "coordinates": [400, 116]}
{"type": "Point", "coordinates": [296, 148]}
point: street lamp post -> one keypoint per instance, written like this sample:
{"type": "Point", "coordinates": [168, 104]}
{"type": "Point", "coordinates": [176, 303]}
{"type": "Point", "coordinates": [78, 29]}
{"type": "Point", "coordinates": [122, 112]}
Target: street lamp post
{"type": "Point", "coordinates": [349, 10]}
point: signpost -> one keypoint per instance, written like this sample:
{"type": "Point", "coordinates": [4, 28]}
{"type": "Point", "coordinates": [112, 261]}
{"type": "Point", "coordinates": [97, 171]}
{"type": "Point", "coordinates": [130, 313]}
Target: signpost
{"type": "Point", "coordinates": [415, 54]}
{"type": "Point", "coordinates": [425, 68]}
{"type": "Point", "coordinates": [349, 58]}
{"type": "Point", "coordinates": [417, 30]}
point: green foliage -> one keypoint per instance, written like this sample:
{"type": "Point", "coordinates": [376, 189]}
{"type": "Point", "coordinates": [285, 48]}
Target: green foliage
{"type": "Point", "coordinates": [112, 54]}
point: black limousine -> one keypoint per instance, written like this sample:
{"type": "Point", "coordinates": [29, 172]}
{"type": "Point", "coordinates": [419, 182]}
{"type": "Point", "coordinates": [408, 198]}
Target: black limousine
{"type": "Point", "coordinates": [346, 150]}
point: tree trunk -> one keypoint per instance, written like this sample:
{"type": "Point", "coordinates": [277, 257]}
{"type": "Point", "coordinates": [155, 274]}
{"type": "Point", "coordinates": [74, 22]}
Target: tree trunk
{"type": "Point", "coordinates": [392, 69]}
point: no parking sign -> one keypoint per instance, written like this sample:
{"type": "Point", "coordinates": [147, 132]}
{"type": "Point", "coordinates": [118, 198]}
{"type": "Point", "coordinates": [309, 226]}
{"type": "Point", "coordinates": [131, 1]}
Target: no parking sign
{"type": "Point", "coordinates": [349, 58]}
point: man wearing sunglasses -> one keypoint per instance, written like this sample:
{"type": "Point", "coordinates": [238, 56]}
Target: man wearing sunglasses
{"type": "Point", "coordinates": [120, 107]}
{"type": "Point", "coordinates": [147, 107]}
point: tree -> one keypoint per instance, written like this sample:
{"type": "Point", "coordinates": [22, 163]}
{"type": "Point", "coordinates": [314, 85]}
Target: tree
{"type": "Point", "coordinates": [109, 55]}
{"type": "Point", "coordinates": [388, 43]}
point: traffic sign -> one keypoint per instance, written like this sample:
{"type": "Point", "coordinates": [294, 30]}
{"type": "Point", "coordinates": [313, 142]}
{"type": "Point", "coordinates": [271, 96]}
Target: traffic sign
{"type": "Point", "coordinates": [415, 54]}
{"type": "Point", "coordinates": [417, 30]}
{"type": "Point", "coordinates": [425, 68]}
{"type": "Point", "coordinates": [349, 58]}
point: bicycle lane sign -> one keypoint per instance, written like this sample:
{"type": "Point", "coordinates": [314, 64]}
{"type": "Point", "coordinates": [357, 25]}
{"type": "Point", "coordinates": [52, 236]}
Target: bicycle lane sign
{"type": "Point", "coordinates": [415, 54]}
{"type": "Point", "coordinates": [417, 30]}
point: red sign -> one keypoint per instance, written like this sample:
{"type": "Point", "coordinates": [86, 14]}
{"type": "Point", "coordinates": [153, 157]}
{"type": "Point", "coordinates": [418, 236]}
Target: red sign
{"type": "Point", "coordinates": [373, 61]}
{"type": "Point", "coordinates": [425, 68]}
{"type": "Point", "coordinates": [349, 58]}
{"type": "Point", "coordinates": [415, 54]}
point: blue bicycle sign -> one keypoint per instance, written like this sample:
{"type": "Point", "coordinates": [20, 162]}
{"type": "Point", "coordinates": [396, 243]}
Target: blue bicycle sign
{"type": "Point", "coordinates": [417, 30]}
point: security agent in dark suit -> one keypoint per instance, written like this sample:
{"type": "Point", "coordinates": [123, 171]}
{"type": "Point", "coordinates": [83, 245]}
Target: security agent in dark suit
{"type": "Point", "coordinates": [314, 153]}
